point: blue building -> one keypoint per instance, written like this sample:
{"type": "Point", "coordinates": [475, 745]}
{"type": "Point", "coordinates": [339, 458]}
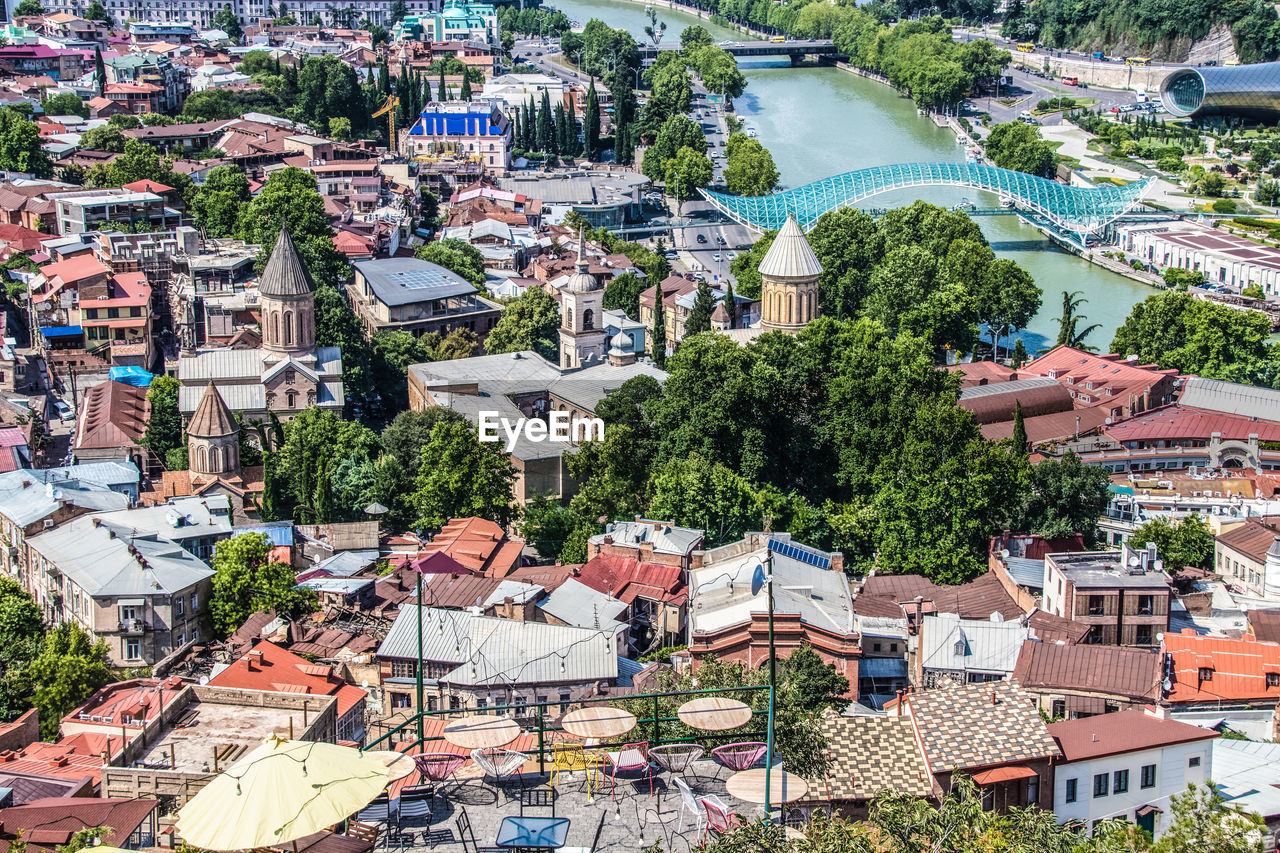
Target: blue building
{"type": "Point", "coordinates": [474, 131]}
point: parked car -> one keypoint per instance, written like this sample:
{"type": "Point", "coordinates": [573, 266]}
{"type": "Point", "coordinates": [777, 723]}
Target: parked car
{"type": "Point", "coordinates": [716, 257]}
{"type": "Point", "coordinates": [64, 411]}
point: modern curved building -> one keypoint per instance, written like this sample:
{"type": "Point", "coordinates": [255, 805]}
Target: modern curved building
{"type": "Point", "coordinates": [1247, 91]}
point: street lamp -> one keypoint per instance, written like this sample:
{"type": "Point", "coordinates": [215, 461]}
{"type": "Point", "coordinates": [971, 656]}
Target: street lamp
{"type": "Point", "coordinates": [760, 579]}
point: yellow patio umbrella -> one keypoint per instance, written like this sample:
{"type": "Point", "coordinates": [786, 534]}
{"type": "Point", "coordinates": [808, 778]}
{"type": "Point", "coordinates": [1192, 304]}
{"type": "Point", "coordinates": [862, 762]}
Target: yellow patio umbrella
{"type": "Point", "coordinates": [282, 791]}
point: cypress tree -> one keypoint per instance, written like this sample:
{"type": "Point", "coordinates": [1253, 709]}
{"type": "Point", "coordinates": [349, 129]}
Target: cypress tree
{"type": "Point", "coordinates": [545, 142]}
{"type": "Point", "coordinates": [528, 125]}
{"type": "Point", "coordinates": [99, 71]}
{"type": "Point", "coordinates": [561, 131]}
{"type": "Point", "coordinates": [517, 132]}
{"type": "Point", "coordinates": [384, 77]}
{"type": "Point", "coordinates": [591, 124]}
{"type": "Point", "coordinates": [442, 94]}
{"type": "Point", "coordinates": [464, 94]}
{"type": "Point", "coordinates": [731, 305]}
{"type": "Point", "coordinates": [1019, 354]}
{"type": "Point", "coordinates": [623, 146]}
{"type": "Point", "coordinates": [1019, 428]}
{"type": "Point", "coordinates": [659, 332]}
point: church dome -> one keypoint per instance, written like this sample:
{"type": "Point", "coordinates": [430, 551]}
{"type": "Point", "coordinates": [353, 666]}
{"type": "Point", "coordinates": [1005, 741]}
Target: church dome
{"type": "Point", "coordinates": [285, 276]}
{"type": "Point", "coordinates": [621, 341]}
{"type": "Point", "coordinates": [790, 256]}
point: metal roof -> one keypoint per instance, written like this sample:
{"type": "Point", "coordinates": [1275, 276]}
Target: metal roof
{"type": "Point", "coordinates": [665, 537]}
{"type": "Point", "coordinates": [587, 386]}
{"type": "Point", "coordinates": [575, 603]}
{"type": "Point", "coordinates": [489, 650]}
{"type": "Point", "coordinates": [790, 255]}
{"type": "Point", "coordinates": [344, 564]}
{"type": "Point", "coordinates": [1231, 398]}
{"type": "Point", "coordinates": [951, 643]}
{"type": "Point", "coordinates": [1247, 774]}
{"type": "Point", "coordinates": [404, 281]}
{"type": "Point", "coordinates": [1025, 572]}
{"type": "Point", "coordinates": [104, 558]}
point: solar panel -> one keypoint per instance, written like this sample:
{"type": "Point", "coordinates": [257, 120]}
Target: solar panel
{"type": "Point", "coordinates": [800, 553]}
{"type": "Point", "coordinates": [421, 279]}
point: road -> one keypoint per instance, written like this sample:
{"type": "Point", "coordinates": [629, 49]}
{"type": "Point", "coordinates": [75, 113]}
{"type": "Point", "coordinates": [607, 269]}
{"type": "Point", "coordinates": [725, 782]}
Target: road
{"type": "Point", "coordinates": [1028, 90]}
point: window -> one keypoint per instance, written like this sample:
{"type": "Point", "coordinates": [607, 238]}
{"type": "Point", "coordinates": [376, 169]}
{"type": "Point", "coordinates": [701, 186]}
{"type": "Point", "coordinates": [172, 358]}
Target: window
{"type": "Point", "coordinates": [1193, 761]}
{"type": "Point", "coordinates": [564, 701]}
{"type": "Point", "coordinates": [1101, 783]}
{"type": "Point", "coordinates": [1142, 635]}
{"type": "Point", "coordinates": [1206, 673]}
{"type": "Point", "coordinates": [1120, 781]}
{"type": "Point", "coordinates": [132, 649]}
{"type": "Point", "coordinates": [1146, 605]}
{"type": "Point", "coordinates": [1148, 775]}
{"type": "Point", "coordinates": [1071, 791]}
{"type": "Point", "coordinates": [893, 647]}
{"type": "Point", "coordinates": [1095, 635]}
{"type": "Point", "coordinates": [1095, 605]}
{"type": "Point", "coordinates": [128, 613]}
{"type": "Point", "coordinates": [1059, 708]}
{"type": "Point", "coordinates": [179, 606]}
{"type": "Point", "coordinates": [875, 647]}
{"type": "Point", "coordinates": [403, 669]}
{"type": "Point", "coordinates": [195, 601]}
{"type": "Point", "coordinates": [1273, 679]}
{"type": "Point", "coordinates": [400, 700]}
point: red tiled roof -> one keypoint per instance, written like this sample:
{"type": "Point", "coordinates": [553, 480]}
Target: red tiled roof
{"type": "Point", "coordinates": [479, 545]}
{"type": "Point", "coordinates": [132, 88]}
{"type": "Point", "coordinates": [1079, 370]}
{"type": "Point", "coordinates": [627, 579]}
{"type": "Point", "coordinates": [1121, 732]}
{"type": "Point", "coordinates": [147, 186]}
{"type": "Point", "coordinates": [138, 699]}
{"type": "Point", "coordinates": [20, 238]}
{"type": "Point", "coordinates": [978, 599]}
{"type": "Point", "coordinates": [112, 414]}
{"type": "Point", "coordinates": [269, 667]}
{"type": "Point", "coordinates": [982, 373]}
{"type": "Point", "coordinates": [1239, 668]}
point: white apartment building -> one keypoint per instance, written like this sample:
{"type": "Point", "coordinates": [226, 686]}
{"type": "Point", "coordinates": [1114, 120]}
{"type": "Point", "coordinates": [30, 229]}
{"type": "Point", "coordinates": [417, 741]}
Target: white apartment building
{"type": "Point", "coordinates": [1126, 765]}
{"type": "Point", "coordinates": [1223, 258]}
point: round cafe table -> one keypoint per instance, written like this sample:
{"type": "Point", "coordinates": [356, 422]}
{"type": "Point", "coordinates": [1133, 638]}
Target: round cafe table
{"type": "Point", "coordinates": [481, 732]}
{"type": "Point", "coordinates": [598, 721]}
{"type": "Point", "coordinates": [398, 765]}
{"type": "Point", "coordinates": [714, 713]}
{"type": "Point", "coordinates": [748, 786]}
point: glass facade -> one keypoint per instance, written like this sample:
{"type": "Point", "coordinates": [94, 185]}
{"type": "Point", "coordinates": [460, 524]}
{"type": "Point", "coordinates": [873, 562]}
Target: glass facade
{"type": "Point", "coordinates": [1076, 209]}
{"type": "Point", "coordinates": [1246, 91]}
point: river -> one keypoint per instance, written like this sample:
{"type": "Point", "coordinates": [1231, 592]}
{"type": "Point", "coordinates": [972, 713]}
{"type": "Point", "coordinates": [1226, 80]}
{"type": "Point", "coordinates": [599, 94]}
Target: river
{"type": "Point", "coordinates": [819, 122]}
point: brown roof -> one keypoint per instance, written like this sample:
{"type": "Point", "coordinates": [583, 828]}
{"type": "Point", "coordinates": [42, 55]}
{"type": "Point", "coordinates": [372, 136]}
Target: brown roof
{"type": "Point", "coordinates": [1131, 673]}
{"type": "Point", "coordinates": [1253, 538]}
{"type": "Point", "coordinates": [1056, 629]}
{"type": "Point", "coordinates": [1264, 625]}
{"type": "Point", "coordinates": [112, 414]}
{"type": "Point", "coordinates": [978, 725]}
{"type": "Point", "coordinates": [978, 599]}
{"type": "Point", "coordinates": [212, 417]}
{"type": "Point", "coordinates": [1054, 426]}
{"type": "Point", "coordinates": [51, 822]}
{"type": "Point", "coordinates": [1124, 731]}
{"type": "Point", "coordinates": [994, 403]}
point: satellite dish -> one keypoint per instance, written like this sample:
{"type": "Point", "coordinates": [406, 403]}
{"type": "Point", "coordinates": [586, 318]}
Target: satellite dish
{"type": "Point", "coordinates": [758, 579]}
{"type": "Point", "coordinates": [364, 683]}
{"type": "Point", "coordinates": [204, 679]}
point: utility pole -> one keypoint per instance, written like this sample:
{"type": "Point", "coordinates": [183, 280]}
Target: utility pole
{"type": "Point", "coordinates": [773, 687]}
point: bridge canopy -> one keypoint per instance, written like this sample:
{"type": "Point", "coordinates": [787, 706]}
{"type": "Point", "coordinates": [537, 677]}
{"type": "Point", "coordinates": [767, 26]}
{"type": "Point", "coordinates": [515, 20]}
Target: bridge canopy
{"type": "Point", "coordinates": [1076, 209]}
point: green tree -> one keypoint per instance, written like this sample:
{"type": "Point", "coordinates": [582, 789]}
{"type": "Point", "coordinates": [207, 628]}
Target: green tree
{"type": "Point", "coordinates": [291, 197]}
{"type": "Point", "coordinates": [658, 334]}
{"type": "Point", "coordinates": [164, 426]}
{"type": "Point", "coordinates": [1017, 145]}
{"type": "Point", "coordinates": [623, 293]}
{"type": "Point", "coordinates": [699, 318]}
{"type": "Point", "coordinates": [220, 199]}
{"type": "Point", "coordinates": [65, 104]}
{"type": "Point", "coordinates": [1201, 819]}
{"type": "Point", "coordinates": [457, 256]}
{"type": "Point", "coordinates": [1069, 332]}
{"type": "Point", "coordinates": [1188, 542]}
{"type": "Point", "coordinates": [97, 12]}
{"type": "Point", "coordinates": [548, 526]}
{"type": "Point", "coordinates": [1176, 330]}
{"type": "Point", "coordinates": [315, 442]}
{"type": "Point", "coordinates": [530, 322]}
{"type": "Point", "coordinates": [685, 173]}
{"type": "Point", "coordinates": [69, 668]}
{"type": "Point", "coordinates": [461, 476]}
{"type": "Point", "coordinates": [20, 145]}
{"type": "Point", "coordinates": [695, 36]}
{"type": "Point", "coordinates": [705, 495]}
{"type": "Point", "coordinates": [678, 132]}
{"type": "Point", "coordinates": [227, 21]}
{"type": "Point", "coordinates": [99, 72]}
{"type": "Point", "coordinates": [1062, 497]}
{"type": "Point", "coordinates": [749, 168]}
{"type": "Point", "coordinates": [591, 124]}
{"type": "Point", "coordinates": [1019, 428]}
{"type": "Point", "coordinates": [816, 683]}
{"type": "Point", "coordinates": [1267, 192]}
{"type": "Point", "coordinates": [340, 127]}
{"type": "Point", "coordinates": [29, 7]}
{"type": "Point", "coordinates": [543, 126]}
{"type": "Point", "coordinates": [246, 580]}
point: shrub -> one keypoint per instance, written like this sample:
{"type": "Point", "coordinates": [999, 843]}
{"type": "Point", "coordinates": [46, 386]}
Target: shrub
{"type": "Point", "coordinates": [1224, 205]}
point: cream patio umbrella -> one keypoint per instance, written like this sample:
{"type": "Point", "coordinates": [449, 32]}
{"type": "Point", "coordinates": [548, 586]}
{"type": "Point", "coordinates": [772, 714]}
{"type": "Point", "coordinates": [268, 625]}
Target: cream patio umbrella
{"type": "Point", "coordinates": [282, 791]}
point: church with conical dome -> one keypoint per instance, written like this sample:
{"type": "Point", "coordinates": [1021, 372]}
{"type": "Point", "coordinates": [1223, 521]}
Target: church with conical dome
{"type": "Point", "coordinates": [288, 373]}
{"type": "Point", "coordinates": [789, 274]}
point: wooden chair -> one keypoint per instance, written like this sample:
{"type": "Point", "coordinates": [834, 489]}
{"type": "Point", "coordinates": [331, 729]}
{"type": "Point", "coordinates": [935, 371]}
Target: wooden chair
{"type": "Point", "coordinates": [363, 831]}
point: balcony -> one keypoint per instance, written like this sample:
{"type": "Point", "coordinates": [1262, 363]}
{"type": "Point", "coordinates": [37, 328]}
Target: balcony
{"type": "Point", "coordinates": [131, 626]}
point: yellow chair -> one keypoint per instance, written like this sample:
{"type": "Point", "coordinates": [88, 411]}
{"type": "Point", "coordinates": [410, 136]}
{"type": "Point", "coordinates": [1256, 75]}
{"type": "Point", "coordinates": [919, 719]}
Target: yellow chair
{"type": "Point", "coordinates": [567, 758]}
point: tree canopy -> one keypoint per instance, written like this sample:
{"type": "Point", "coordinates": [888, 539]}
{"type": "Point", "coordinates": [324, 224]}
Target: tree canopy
{"type": "Point", "coordinates": [529, 322]}
{"type": "Point", "coordinates": [246, 580]}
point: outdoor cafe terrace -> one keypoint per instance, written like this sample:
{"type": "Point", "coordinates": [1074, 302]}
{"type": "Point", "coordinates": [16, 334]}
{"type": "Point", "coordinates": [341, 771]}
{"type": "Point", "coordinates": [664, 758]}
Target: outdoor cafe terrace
{"type": "Point", "coordinates": [598, 778]}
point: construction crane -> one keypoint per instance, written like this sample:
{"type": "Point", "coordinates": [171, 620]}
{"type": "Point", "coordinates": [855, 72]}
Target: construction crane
{"type": "Point", "coordinates": [389, 110]}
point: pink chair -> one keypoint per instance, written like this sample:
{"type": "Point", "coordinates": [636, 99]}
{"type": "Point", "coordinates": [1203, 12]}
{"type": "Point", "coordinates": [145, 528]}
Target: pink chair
{"type": "Point", "coordinates": [719, 819]}
{"type": "Point", "coordinates": [631, 756]}
{"type": "Point", "coordinates": [436, 767]}
{"type": "Point", "coordinates": [739, 756]}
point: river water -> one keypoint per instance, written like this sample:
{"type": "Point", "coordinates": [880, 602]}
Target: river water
{"type": "Point", "coordinates": [819, 122]}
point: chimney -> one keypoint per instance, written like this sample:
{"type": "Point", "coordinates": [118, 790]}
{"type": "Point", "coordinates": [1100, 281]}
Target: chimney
{"type": "Point", "coordinates": [993, 697]}
{"type": "Point", "coordinates": [900, 695]}
{"type": "Point", "coordinates": [1094, 737]}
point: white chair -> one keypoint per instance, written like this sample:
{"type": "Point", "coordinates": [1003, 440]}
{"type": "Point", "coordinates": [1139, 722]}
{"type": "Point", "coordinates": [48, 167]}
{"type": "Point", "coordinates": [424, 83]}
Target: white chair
{"type": "Point", "coordinates": [689, 803]}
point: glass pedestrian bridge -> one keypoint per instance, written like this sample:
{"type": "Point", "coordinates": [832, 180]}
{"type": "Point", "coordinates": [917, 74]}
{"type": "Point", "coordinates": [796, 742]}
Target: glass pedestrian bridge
{"type": "Point", "coordinates": [1076, 209]}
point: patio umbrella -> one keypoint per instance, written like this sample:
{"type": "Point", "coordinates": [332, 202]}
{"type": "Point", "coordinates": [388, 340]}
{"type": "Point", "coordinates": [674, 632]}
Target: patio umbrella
{"type": "Point", "coordinates": [282, 791]}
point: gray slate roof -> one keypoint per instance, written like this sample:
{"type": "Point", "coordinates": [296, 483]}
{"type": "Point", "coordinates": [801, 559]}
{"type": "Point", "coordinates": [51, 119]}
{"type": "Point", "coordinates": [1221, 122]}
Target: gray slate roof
{"type": "Point", "coordinates": [951, 643]}
{"type": "Point", "coordinates": [285, 275]}
{"type": "Point", "coordinates": [575, 603]}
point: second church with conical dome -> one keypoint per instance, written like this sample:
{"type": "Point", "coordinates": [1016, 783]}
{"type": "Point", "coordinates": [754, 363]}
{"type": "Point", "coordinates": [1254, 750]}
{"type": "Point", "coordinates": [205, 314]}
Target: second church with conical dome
{"type": "Point", "coordinates": [288, 373]}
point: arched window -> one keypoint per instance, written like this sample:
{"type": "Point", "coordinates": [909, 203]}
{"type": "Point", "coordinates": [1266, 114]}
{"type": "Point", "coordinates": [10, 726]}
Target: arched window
{"type": "Point", "coordinates": [588, 319]}
{"type": "Point", "coordinates": [791, 309]}
{"type": "Point", "coordinates": [275, 326]}
{"type": "Point", "coordinates": [288, 328]}
{"type": "Point", "coordinates": [292, 399]}
{"type": "Point", "coordinates": [204, 458]}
